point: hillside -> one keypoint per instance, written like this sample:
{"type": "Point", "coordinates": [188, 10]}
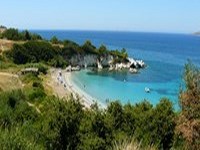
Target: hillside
{"type": "Point", "coordinates": [33, 48]}
{"type": "Point", "coordinates": [9, 81]}
{"type": "Point", "coordinates": [6, 45]}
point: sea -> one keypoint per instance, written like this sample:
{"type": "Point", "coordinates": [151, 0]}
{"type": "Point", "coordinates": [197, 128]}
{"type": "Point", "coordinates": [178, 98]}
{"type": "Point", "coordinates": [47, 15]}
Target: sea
{"type": "Point", "coordinates": [165, 55]}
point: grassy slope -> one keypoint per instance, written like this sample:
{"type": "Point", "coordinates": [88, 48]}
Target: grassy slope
{"type": "Point", "coordinates": [7, 44]}
{"type": "Point", "coordinates": [9, 81]}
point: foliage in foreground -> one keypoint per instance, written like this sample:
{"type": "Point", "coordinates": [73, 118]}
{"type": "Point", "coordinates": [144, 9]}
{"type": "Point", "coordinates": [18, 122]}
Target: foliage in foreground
{"type": "Point", "coordinates": [188, 124]}
{"type": "Point", "coordinates": [62, 124]}
{"type": "Point", "coordinates": [131, 144]}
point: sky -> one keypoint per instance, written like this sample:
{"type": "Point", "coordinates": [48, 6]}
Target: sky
{"type": "Point", "coordinates": [173, 16]}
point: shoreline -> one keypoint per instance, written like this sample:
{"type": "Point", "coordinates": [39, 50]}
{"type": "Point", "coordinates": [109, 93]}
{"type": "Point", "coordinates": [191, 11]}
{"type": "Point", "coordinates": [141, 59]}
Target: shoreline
{"type": "Point", "coordinates": [74, 89]}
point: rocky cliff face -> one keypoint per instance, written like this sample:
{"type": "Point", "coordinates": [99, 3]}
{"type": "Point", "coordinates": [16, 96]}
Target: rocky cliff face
{"type": "Point", "coordinates": [91, 60]}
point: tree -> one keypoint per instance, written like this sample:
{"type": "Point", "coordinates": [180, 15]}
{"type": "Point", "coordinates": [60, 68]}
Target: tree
{"type": "Point", "coordinates": [142, 113]}
{"type": "Point", "coordinates": [39, 51]}
{"type": "Point", "coordinates": [27, 35]}
{"type": "Point", "coordinates": [124, 53]}
{"type": "Point", "coordinates": [11, 34]}
{"type": "Point", "coordinates": [188, 124]}
{"type": "Point", "coordinates": [89, 48]}
{"type": "Point", "coordinates": [54, 40]}
{"type": "Point", "coordinates": [102, 49]}
{"type": "Point", "coordinates": [95, 130]}
{"type": "Point", "coordinates": [32, 52]}
{"type": "Point", "coordinates": [115, 110]}
{"type": "Point", "coordinates": [36, 37]}
{"type": "Point", "coordinates": [19, 54]}
{"type": "Point", "coordinates": [61, 124]}
{"type": "Point", "coordinates": [163, 124]}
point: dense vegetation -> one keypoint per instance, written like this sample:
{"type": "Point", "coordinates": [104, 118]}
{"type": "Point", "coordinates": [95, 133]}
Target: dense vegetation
{"type": "Point", "coordinates": [42, 51]}
{"type": "Point", "coordinates": [53, 52]}
{"type": "Point", "coordinates": [31, 119]}
{"type": "Point", "coordinates": [14, 34]}
{"type": "Point", "coordinates": [188, 125]}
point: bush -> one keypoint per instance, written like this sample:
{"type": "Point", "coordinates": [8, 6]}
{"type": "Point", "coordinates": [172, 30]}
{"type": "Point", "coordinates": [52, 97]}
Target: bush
{"type": "Point", "coordinates": [20, 54]}
{"type": "Point", "coordinates": [54, 40]}
{"type": "Point", "coordinates": [88, 48]}
{"type": "Point", "coordinates": [36, 52]}
{"type": "Point", "coordinates": [11, 34]}
{"type": "Point", "coordinates": [64, 124]}
{"type": "Point", "coordinates": [30, 78]}
{"type": "Point", "coordinates": [14, 34]}
{"type": "Point", "coordinates": [32, 51]}
{"type": "Point", "coordinates": [39, 51]}
{"type": "Point", "coordinates": [37, 84]}
{"type": "Point", "coordinates": [188, 123]}
{"type": "Point", "coordinates": [14, 109]}
{"type": "Point", "coordinates": [61, 122]}
{"type": "Point", "coordinates": [43, 69]}
{"type": "Point", "coordinates": [13, 139]}
{"type": "Point", "coordinates": [36, 94]}
{"type": "Point", "coordinates": [58, 62]}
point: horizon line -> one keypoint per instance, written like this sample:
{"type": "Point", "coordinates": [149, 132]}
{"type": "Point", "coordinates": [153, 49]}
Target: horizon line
{"type": "Point", "coordinates": [102, 30]}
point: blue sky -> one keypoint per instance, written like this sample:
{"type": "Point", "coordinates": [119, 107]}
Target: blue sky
{"type": "Point", "coordinates": [118, 15]}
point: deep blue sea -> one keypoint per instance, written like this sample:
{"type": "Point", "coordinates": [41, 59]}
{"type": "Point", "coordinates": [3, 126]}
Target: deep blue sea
{"type": "Point", "coordinates": [165, 55]}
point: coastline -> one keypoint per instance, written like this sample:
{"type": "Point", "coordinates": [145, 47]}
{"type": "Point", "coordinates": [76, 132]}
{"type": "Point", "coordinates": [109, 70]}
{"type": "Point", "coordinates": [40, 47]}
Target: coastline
{"type": "Point", "coordinates": [63, 86]}
{"type": "Point", "coordinates": [85, 98]}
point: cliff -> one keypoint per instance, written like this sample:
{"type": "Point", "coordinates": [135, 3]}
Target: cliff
{"type": "Point", "coordinates": [107, 61]}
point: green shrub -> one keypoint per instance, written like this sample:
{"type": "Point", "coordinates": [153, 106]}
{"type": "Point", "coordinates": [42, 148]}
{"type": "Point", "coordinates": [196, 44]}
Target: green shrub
{"type": "Point", "coordinates": [58, 62]}
{"type": "Point", "coordinates": [37, 84]}
{"type": "Point", "coordinates": [43, 69]}
{"type": "Point", "coordinates": [14, 109]}
{"type": "Point", "coordinates": [36, 94]}
{"type": "Point", "coordinates": [32, 51]}
{"type": "Point", "coordinates": [30, 77]}
{"type": "Point", "coordinates": [14, 140]}
{"type": "Point", "coordinates": [54, 40]}
{"type": "Point", "coordinates": [14, 34]}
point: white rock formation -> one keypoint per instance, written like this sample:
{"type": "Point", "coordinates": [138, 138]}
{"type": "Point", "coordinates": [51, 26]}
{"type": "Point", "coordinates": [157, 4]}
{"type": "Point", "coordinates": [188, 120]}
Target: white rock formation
{"type": "Point", "coordinates": [92, 60]}
{"type": "Point", "coordinates": [99, 65]}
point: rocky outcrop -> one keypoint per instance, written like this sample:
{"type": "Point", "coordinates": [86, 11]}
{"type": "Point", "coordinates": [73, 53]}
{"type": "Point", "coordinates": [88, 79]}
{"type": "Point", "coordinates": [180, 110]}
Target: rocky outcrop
{"type": "Point", "coordinates": [84, 61]}
{"type": "Point", "coordinates": [107, 61]}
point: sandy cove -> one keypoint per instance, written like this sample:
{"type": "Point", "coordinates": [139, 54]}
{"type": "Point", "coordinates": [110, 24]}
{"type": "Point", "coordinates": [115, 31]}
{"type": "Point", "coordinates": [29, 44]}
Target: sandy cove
{"type": "Point", "coordinates": [64, 86]}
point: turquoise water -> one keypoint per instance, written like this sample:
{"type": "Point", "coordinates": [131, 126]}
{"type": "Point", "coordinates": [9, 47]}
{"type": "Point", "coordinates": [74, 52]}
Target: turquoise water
{"type": "Point", "coordinates": [165, 55]}
{"type": "Point", "coordinates": [105, 87]}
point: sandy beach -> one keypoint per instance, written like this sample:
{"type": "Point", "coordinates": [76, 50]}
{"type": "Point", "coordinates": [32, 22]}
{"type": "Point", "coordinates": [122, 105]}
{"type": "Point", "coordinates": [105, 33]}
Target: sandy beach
{"type": "Point", "coordinates": [66, 87]}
